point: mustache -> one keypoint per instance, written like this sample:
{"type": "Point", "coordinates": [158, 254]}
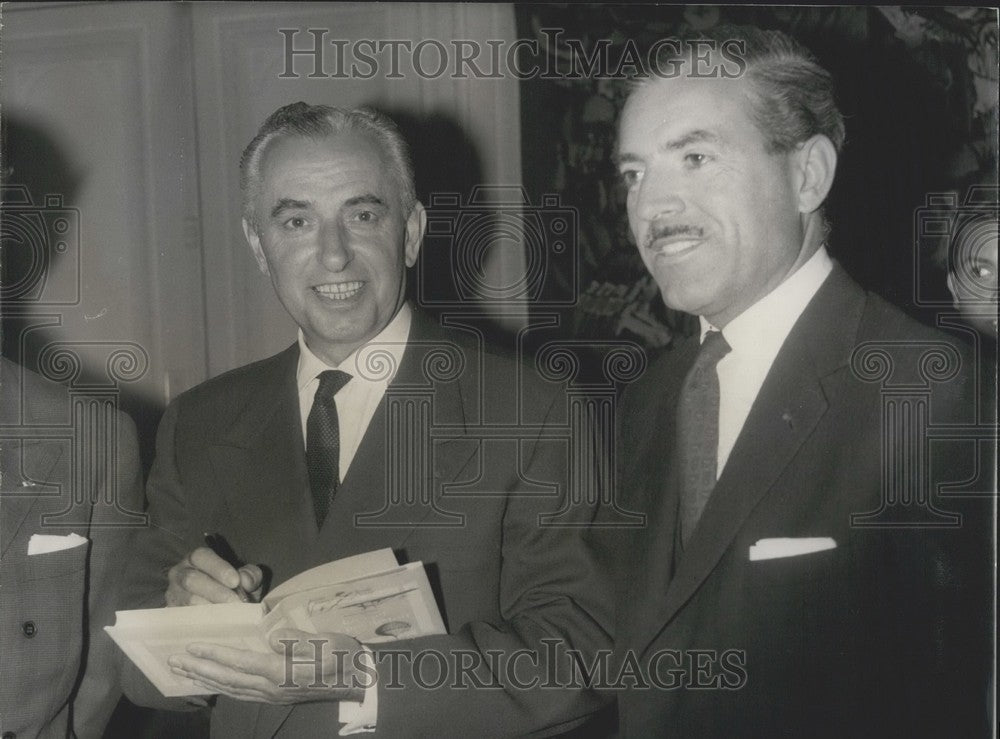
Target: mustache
{"type": "Point", "coordinates": [669, 230]}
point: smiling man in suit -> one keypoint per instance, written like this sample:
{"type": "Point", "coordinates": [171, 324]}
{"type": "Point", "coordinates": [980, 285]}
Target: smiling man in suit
{"type": "Point", "coordinates": [751, 604]}
{"type": "Point", "coordinates": [294, 459]}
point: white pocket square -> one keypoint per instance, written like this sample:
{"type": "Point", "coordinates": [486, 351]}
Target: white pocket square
{"type": "Point", "coordinates": [788, 547]}
{"type": "Point", "coordinates": [47, 543]}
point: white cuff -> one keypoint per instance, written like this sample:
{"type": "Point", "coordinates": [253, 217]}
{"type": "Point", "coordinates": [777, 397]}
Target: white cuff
{"type": "Point", "coordinates": [358, 718]}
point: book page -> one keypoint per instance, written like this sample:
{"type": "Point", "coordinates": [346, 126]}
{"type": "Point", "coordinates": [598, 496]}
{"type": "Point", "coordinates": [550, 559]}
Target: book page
{"type": "Point", "coordinates": [150, 636]}
{"type": "Point", "coordinates": [341, 570]}
{"type": "Point", "coordinates": [367, 596]}
{"type": "Point", "coordinates": [397, 604]}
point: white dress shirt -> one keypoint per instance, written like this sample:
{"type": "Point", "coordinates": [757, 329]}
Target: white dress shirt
{"type": "Point", "coordinates": [371, 373]}
{"type": "Point", "coordinates": [755, 338]}
{"type": "Point", "coordinates": [372, 368]}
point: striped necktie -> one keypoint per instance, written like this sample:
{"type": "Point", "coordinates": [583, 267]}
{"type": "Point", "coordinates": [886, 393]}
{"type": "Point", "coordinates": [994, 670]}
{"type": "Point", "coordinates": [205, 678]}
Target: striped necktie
{"type": "Point", "coordinates": [698, 431]}
{"type": "Point", "coordinates": [323, 443]}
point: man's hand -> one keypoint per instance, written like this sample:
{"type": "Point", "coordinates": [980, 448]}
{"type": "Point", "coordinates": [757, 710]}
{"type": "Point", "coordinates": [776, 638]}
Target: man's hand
{"type": "Point", "coordinates": [303, 668]}
{"type": "Point", "coordinates": [204, 577]}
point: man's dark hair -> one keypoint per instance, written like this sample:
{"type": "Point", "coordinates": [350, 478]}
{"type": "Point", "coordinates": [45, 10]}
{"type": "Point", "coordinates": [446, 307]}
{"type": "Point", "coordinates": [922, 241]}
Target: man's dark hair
{"type": "Point", "coordinates": [319, 121]}
{"type": "Point", "coordinates": [794, 95]}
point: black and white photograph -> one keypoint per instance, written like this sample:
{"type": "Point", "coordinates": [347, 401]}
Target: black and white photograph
{"type": "Point", "coordinates": [585, 370]}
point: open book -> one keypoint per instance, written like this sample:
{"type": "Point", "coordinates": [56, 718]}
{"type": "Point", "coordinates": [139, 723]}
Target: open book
{"type": "Point", "coordinates": [368, 596]}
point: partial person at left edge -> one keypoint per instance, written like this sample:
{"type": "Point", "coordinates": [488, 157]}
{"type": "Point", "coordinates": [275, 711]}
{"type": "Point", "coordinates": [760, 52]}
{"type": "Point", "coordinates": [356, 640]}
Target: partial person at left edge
{"type": "Point", "coordinates": [59, 550]}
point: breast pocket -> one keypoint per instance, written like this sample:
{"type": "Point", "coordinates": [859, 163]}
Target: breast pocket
{"type": "Point", "coordinates": [44, 617]}
{"type": "Point", "coordinates": [59, 564]}
{"type": "Point", "coordinates": [792, 570]}
{"type": "Point", "coordinates": [803, 595]}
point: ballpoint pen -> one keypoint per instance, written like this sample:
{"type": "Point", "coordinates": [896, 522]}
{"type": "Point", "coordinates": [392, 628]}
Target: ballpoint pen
{"type": "Point", "coordinates": [218, 544]}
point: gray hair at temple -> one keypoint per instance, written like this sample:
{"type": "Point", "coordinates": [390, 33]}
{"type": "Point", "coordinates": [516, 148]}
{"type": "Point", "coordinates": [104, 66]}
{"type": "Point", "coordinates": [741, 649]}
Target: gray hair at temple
{"type": "Point", "coordinates": [317, 121]}
{"type": "Point", "coordinates": [794, 95]}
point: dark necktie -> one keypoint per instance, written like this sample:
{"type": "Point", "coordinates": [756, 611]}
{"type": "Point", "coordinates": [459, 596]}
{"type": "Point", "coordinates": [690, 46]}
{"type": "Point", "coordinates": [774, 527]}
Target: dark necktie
{"type": "Point", "coordinates": [323, 442]}
{"type": "Point", "coordinates": [698, 431]}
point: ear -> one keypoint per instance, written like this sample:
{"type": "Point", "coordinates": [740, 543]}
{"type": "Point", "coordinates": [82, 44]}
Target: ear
{"type": "Point", "coordinates": [416, 223]}
{"type": "Point", "coordinates": [815, 162]}
{"type": "Point", "coordinates": [258, 251]}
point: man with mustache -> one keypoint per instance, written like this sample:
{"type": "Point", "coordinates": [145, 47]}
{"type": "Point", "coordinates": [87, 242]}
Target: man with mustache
{"type": "Point", "coordinates": [760, 600]}
{"type": "Point", "coordinates": [331, 215]}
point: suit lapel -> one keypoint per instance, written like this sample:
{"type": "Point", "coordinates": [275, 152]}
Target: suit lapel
{"type": "Point", "coordinates": [26, 464]}
{"type": "Point", "coordinates": [27, 467]}
{"type": "Point", "coordinates": [790, 404]}
{"type": "Point", "coordinates": [353, 525]}
{"type": "Point", "coordinates": [765, 447]}
{"type": "Point", "coordinates": [651, 474]}
{"type": "Point", "coordinates": [363, 491]}
{"type": "Point", "coordinates": [260, 464]}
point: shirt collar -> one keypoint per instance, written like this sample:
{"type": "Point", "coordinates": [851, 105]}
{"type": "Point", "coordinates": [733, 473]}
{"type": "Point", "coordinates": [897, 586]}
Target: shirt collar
{"type": "Point", "coordinates": [391, 339]}
{"type": "Point", "coordinates": [764, 326]}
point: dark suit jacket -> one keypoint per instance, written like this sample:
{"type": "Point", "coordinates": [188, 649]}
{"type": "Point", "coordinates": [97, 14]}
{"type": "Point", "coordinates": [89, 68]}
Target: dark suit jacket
{"type": "Point", "coordinates": [887, 634]}
{"type": "Point", "coordinates": [230, 458]}
{"type": "Point", "coordinates": [58, 671]}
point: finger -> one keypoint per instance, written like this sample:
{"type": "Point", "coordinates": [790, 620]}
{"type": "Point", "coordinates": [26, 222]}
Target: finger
{"type": "Point", "coordinates": [189, 586]}
{"type": "Point", "coordinates": [217, 688]}
{"type": "Point", "coordinates": [253, 696]}
{"type": "Point", "coordinates": [251, 671]}
{"type": "Point", "coordinates": [251, 577]}
{"type": "Point", "coordinates": [240, 660]}
{"type": "Point", "coordinates": [205, 686]}
{"type": "Point", "coordinates": [178, 582]}
{"type": "Point", "coordinates": [216, 675]}
{"type": "Point", "coordinates": [333, 657]}
{"type": "Point", "coordinates": [215, 567]}
{"type": "Point", "coordinates": [206, 683]}
{"type": "Point", "coordinates": [304, 642]}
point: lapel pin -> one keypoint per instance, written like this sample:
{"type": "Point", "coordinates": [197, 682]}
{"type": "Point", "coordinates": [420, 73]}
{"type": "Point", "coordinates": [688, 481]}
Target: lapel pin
{"type": "Point", "coordinates": [787, 418]}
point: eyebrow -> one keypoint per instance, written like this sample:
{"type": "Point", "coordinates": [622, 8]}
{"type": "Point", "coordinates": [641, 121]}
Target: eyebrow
{"type": "Point", "coordinates": [366, 199]}
{"type": "Point", "coordinates": [697, 136]}
{"type": "Point", "coordinates": [625, 157]}
{"type": "Point", "coordinates": [288, 204]}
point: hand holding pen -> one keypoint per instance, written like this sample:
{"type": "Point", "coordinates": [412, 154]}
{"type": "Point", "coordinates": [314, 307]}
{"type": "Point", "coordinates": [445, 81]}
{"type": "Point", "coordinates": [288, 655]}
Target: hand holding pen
{"type": "Point", "coordinates": [212, 574]}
